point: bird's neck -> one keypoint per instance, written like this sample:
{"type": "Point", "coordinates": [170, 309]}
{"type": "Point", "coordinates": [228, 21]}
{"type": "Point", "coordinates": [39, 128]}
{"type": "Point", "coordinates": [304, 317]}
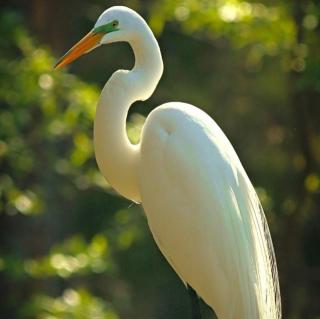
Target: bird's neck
{"type": "Point", "coordinates": [117, 158]}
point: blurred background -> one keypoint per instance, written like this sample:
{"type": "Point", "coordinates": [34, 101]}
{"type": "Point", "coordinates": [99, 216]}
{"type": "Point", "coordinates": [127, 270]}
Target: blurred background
{"type": "Point", "coordinates": [70, 247]}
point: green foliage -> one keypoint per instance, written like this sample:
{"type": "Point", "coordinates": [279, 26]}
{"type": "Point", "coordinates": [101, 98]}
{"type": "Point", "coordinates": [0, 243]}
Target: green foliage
{"type": "Point", "coordinates": [72, 257]}
{"type": "Point", "coordinates": [72, 304]}
{"type": "Point", "coordinates": [43, 119]}
{"type": "Point", "coordinates": [46, 158]}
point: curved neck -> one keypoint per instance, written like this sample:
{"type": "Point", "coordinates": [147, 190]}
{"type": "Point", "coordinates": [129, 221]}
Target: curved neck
{"type": "Point", "coordinates": [117, 158]}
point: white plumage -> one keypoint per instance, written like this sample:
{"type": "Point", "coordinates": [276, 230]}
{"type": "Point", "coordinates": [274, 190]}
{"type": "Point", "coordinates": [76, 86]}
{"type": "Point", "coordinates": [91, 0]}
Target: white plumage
{"type": "Point", "coordinates": [204, 213]}
{"type": "Point", "coordinates": [201, 207]}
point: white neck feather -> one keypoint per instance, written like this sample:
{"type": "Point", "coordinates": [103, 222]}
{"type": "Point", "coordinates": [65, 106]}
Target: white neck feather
{"type": "Point", "coordinates": [117, 158]}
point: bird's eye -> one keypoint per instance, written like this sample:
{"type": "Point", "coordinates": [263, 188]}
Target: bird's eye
{"type": "Point", "coordinates": [115, 23]}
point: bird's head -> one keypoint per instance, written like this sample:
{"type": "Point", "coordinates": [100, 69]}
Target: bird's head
{"type": "Point", "coordinates": [114, 25]}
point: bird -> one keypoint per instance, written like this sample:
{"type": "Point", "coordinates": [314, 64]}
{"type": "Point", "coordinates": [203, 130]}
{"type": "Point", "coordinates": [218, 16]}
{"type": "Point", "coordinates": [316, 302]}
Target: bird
{"type": "Point", "coordinates": [201, 207]}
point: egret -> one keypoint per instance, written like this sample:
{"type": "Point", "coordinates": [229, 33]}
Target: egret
{"type": "Point", "coordinates": [201, 207]}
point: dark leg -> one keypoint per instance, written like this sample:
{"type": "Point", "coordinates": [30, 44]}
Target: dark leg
{"type": "Point", "coordinates": [195, 306]}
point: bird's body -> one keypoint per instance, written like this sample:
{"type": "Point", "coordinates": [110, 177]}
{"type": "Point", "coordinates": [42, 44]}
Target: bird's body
{"type": "Point", "coordinates": [203, 211]}
{"type": "Point", "coordinates": [201, 207]}
{"type": "Point", "coordinates": [190, 189]}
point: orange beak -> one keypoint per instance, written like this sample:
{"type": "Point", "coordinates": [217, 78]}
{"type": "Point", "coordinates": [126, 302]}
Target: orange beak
{"type": "Point", "coordinates": [86, 44]}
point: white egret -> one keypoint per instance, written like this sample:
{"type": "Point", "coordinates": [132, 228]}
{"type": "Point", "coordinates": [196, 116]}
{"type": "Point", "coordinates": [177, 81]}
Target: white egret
{"type": "Point", "coordinates": [201, 207]}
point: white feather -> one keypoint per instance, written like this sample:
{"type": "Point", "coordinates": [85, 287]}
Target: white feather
{"type": "Point", "coordinates": [205, 215]}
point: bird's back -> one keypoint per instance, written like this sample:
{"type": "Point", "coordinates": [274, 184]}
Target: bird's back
{"type": "Point", "coordinates": [205, 215]}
